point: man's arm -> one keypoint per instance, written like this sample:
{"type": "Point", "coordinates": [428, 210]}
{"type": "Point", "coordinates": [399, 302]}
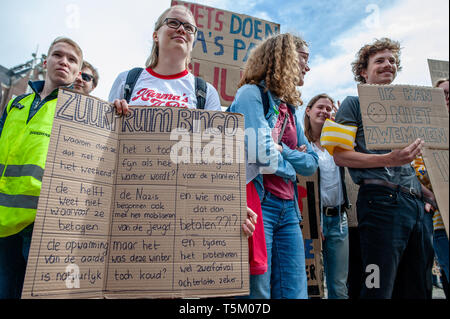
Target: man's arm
{"type": "Point", "coordinates": [395, 158]}
{"type": "Point", "coordinates": [429, 199]}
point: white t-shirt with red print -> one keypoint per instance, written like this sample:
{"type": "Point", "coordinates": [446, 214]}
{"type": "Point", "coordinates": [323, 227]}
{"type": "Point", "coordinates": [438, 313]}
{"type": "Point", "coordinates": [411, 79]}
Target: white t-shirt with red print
{"type": "Point", "coordinates": [153, 89]}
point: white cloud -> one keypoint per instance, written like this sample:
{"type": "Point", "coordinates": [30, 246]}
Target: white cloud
{"type": "Point", "coordinates": [421, 28]}
{"type": "Point", "coordinates": [116, 36]}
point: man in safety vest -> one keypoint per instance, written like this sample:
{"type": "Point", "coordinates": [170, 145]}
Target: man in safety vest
{"type": "Point", "coordinates": [25, 128]}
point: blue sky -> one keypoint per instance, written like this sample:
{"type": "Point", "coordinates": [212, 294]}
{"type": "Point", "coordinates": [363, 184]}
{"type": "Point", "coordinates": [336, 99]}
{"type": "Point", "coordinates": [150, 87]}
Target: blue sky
{"type": "Point", "coordinates": [318, 21]}
{"type": "Point", "coordinates": [116, 35]}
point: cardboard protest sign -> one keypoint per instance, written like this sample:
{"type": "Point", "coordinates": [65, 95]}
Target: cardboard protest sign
{"type": "Point", "coordinates": [308, 193]}
{"type": "Point", "coordinates": [145, 206]}
{"type": "Point", "coordinates": [225, 39]}
{"type": "Point", "coordinates": [436, 162]}
{"type": "Point", "coordinates": [438, 70]}
{"type": "Point", "coordinates": [224, 79]}
{"type": "Point", "coordinates": [394, 116]}
{"type": "Point", "coordinates": [352, 193]}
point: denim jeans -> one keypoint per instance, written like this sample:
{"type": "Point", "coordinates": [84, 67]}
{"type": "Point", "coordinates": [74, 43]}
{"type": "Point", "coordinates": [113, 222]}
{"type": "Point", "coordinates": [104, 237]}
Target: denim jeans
{"type": "Point", "coordinates": [440, 243]}
{"type": "Point", "coordinates": [396, 248]}
{"type": "Point", "coordinates": [335, 255]}
{"type": "Point", "coordinates": [286, 273]}
{"type": "Point", "coordinates": [13, 263]}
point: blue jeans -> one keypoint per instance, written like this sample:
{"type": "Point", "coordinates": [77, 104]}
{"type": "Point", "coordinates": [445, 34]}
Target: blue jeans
{"type": "Point", "coordinates": [335, 255]}
{"type": "Point", "coordinates": [286, 273]}
{"type": "Point", "coordinates": [13, 263]}
{"type": "Point", "coordinates": [396, 248]}
{"type": "Point", "coordinates": [440, 241]}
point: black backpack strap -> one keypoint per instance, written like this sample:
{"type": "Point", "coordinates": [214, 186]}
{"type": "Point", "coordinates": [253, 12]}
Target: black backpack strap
{"type": "Point", "coordinates": [265, 99]}
{"type": "Point", "coordinates": [200, 92]}
{"type": "Point", "coordinates": [16, 102]}
{"type": "Point", "coordinates": [132, 77]}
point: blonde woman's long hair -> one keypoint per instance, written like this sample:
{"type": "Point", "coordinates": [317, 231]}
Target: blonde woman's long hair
{"type": "Point", "coordinates": [275, 60]}
{"type": "Point", "coordinates": [152, 60]}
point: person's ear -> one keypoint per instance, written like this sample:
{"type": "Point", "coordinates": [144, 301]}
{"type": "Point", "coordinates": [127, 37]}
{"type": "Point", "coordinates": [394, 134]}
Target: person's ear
{"type": "Point", "coordinates": [364, 74]}
{"type": "Point", "coordinates": [44, 64]}
{"type": "Point", "coordinates": [155, 37]}
{"type": "Point", "coordinates": [307, 111]}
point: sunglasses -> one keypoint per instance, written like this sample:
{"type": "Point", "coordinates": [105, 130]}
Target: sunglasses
{"type": "Point", "coordinates": [87, 77]}
{"type": "Point", "coordinates": [175, 24]}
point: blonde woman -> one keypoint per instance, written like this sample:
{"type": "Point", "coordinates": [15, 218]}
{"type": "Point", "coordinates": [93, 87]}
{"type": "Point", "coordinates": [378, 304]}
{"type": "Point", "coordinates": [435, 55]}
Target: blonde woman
{"type": "Point", "coordinates": [278, 65]}
{"type": "Point", "coordinates": [166, 81]}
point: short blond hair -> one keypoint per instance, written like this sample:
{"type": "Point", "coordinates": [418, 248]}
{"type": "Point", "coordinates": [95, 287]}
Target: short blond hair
{"type": "Point", "coordinates": [69, 42]}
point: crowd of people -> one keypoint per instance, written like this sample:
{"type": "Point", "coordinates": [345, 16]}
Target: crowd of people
{"type": "Point", "coordinates": [399, 229]}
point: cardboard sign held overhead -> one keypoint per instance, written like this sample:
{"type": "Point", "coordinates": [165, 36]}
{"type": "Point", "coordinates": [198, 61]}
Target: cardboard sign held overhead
{"type": "Point", "coordinates": [394, 116]}
{"type": "Point", "coordinates": [438, 70]}
{"type": "Point", "coordinates": [437, 164]}
{"type": "Point", "coordinates": [224, 41]}
{"type": "Point", "coordinates": [133, 207]}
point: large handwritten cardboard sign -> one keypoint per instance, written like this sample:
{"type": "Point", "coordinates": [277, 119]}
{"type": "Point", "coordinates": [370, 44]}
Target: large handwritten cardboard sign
{"type": "Point", "coordinates": [134, 207]}
{"type": "Point", "coordinates": [437, 164]}
{"type": "Point", "coordinates": [394, 116]}
{"type": "Point", "coordinates": [223, 45]}
{"type": "Point", "coordinates": [438, 70]}
{"type": "Point", "coordinates": [308, 190]}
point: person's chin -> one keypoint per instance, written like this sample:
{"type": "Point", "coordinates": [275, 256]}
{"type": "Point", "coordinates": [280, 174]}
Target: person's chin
{"type": "Point", "coordinates": [386, 81]}
{"type": "Point", "coordinates": [387, 78]}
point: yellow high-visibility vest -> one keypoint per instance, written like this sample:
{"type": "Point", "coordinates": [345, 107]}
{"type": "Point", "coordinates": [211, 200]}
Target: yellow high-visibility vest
{"type": "Point", "coordinates": [23, 153]}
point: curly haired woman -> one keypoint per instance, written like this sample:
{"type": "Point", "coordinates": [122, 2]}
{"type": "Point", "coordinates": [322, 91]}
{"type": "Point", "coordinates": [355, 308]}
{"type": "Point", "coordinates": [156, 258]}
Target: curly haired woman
{"type": "Point", "coordinates": [278, 65]}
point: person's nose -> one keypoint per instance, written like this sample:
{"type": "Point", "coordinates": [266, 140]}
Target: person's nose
{"type": "Point", "coordinates": [181, 29]}
{"type": "Point", "coordinates": [388, 64]}
{"type": "Point", "coordinates": [79, 79]}
{"type": "Point", "coordinates": [64, 61]}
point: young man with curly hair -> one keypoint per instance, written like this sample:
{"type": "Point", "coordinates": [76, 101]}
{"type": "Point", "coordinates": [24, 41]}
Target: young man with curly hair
{"type": "Point", "coordinates": [394, 237]}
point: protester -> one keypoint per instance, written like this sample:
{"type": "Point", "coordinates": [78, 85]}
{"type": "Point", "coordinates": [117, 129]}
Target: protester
{"type": "Point", "coordinates": [333, 200]}
{"type": "Point", "coordinates": [395, 244]}
{"type": "Point", "coordinates": [22, 160]}
{"type": "Point", "coordinates": [440, 239]}
{"type": "Point", "coordinates": [87, 80]}
{"type": "Point", "coordinates": [167, 80]}
{"type": "Point", "coordinates": [278, 65]}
